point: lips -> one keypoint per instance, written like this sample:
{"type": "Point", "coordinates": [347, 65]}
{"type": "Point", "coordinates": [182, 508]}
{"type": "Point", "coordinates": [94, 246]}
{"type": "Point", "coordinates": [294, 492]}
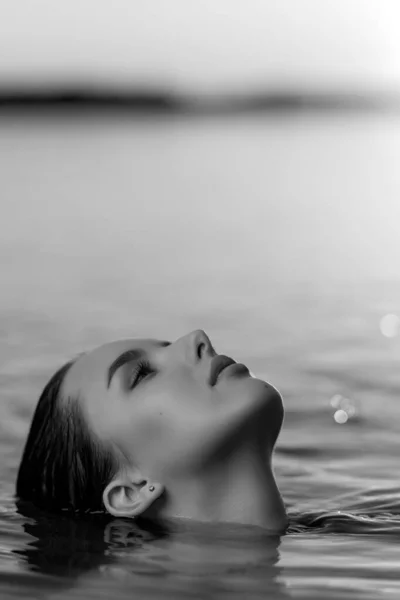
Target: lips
{"type": "Point", "coordinates": [218, 364]}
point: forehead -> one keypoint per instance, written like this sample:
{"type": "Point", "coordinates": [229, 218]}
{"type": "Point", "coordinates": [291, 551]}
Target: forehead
{"type": "Point", "coordinates": [91, 368]}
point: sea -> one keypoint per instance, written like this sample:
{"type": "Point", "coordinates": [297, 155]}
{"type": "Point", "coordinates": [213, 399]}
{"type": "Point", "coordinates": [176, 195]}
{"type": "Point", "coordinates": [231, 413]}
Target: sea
{"type": "Point", "coordinates": [278, 233]}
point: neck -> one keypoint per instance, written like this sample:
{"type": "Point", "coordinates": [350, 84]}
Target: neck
{"type": "Point", "coordinates": [241, 489]}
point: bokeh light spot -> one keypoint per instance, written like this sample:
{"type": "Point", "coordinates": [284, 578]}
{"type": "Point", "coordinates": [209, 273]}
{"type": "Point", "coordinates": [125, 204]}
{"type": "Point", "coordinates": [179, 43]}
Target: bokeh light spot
{"type": "Point", "coordinates": [390, 325]}
{"type": "Point", "coordinates": [336, 400]}
{"type": "Point", "coordinates": [345, 408]}
{"type": "Point", "coordinates": [341, 416]}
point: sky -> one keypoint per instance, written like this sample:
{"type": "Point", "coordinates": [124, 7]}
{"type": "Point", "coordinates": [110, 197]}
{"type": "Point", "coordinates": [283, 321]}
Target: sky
{"type": "Point", "coordinates": [202, 45]}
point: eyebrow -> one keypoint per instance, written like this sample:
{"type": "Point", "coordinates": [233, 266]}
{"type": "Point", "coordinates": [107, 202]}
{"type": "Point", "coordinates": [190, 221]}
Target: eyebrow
{"type": "Point", "coordinates": [128, 356]}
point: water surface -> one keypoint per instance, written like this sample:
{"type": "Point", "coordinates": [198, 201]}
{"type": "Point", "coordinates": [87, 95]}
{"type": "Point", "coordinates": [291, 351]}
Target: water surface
{"type": "Point", "coordinates": [280, 238]}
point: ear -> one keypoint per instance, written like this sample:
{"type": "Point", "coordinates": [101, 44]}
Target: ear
{"type": "Point", "coordinates": [128, 496]}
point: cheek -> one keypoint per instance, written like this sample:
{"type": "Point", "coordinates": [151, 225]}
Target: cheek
{"type": "Point", "coordinates": [164, 429]}
{"type": "Point", "coordinates": [148, 426]}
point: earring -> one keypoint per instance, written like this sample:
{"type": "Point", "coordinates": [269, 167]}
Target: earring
{"type": "Point", "coordinates": [151, 488]}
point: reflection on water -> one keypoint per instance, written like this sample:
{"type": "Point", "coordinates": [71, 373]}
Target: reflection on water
{"type": "Point", "coordinates": [94, 555]}
{"type": "Point", "coordinates": [279, 237]}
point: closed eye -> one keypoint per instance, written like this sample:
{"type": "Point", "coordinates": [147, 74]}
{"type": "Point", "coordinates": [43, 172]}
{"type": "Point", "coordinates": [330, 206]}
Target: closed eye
{"type": "Point", "coordinates": [142, 370]}
{"type": "Point", "coordinates": [127, 357]}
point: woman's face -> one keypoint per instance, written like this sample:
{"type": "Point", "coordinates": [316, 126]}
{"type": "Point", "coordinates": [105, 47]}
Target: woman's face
{"type": "Point", "coordinates": [163, 405]}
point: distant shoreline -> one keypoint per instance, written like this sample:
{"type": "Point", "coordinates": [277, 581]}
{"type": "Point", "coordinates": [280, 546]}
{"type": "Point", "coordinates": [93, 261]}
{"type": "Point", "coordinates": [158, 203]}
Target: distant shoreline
{"type": "Point", "coordinates": [169, 103]}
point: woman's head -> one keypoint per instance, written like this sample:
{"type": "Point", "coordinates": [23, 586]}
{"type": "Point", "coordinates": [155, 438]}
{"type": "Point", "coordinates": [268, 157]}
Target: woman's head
{"type": "Point", "coordinates": [135, 418]}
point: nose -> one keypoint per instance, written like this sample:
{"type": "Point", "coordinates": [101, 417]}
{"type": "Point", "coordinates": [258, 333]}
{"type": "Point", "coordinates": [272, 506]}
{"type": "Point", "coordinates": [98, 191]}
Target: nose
{"type": "Point", "coordinates": [195, 345]}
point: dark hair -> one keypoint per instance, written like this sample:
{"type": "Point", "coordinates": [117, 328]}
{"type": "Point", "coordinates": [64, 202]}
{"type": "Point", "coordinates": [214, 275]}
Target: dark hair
{"type": "Point", "coordinates": [64, 466]}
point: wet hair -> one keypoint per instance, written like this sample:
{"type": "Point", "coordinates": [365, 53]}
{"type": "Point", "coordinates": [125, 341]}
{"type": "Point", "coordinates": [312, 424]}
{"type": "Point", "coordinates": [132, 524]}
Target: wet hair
{"type": "Point", "coordinates": [64, 467]}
